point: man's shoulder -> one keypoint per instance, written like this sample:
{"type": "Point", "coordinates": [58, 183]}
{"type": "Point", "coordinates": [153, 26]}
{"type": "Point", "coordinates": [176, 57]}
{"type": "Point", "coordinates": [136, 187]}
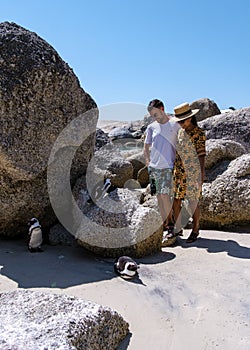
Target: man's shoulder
{"type": "Point", "coordinates": [152, 125]}
{"type": "Point", "coordinates": [173, 123]}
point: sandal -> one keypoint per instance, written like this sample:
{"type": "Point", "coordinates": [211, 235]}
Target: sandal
{"type": "Point", "coordinates": [192, 237]}
{"type": "Point", "coordinates": [168, 227]}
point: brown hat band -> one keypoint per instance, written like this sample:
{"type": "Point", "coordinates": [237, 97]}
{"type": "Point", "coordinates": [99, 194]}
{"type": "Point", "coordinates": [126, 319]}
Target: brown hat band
{"type": "Point", "coordinates": [184, 113]}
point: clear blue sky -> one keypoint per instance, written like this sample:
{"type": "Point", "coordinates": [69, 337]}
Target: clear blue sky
{"type": "Point", "coordinates": [137, 50]}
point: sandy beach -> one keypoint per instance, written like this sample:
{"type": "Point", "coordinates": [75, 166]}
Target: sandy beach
{"type": "Point", "coordinates": [192, 296]}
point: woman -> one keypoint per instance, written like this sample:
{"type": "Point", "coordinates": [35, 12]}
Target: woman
{"type": "Point", "coordinates": [189, 168]}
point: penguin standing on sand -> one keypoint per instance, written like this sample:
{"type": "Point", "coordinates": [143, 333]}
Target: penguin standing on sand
{"type": "Point", "coordinates": [126, 267]}
{"type": "Point", "coordinates": [35, 239]}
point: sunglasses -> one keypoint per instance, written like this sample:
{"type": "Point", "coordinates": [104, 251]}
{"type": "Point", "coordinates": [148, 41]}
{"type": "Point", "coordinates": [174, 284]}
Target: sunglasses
{"type": "Point", "coordinates": [181, 121]}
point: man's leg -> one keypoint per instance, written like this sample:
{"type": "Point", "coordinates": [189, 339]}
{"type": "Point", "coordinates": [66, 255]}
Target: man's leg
{"type": "Point", "coordinates": [165, 207]}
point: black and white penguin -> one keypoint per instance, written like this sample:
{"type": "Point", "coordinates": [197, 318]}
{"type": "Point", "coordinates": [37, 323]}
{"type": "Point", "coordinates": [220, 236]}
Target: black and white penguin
{"type": "Point", "coordinates": [126, 267]}
{"type": "Point", "coordinates": [100, 191]}
{"type": "Point", "coordinates": [35, 238]}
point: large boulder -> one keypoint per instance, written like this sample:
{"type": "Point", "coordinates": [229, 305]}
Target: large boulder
{"type": "Point", "coordinates": [226, 200]}
{"type": "Point", "coordinates": [234, 126]}
{"type": "Point", "coordinates": [118, 224]}
{"type": "Point", "coordinates": [207, 108]}
{"type": "Point", "coordinates": [39, 96]}
{"type": "Point", "coordinates": [219, 150]}
{"type": "Point", "coordinates": [37, 320]}
{"type": "Point", "coordinates": [138, 162]}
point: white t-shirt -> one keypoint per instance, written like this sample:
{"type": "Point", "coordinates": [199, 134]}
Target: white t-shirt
{"type": "Point", "coordinates": [163, 139]}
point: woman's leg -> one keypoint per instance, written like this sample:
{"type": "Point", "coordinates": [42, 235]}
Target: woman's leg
{"type": "Point", "coordinates": [177, 215]}
{"type": "Point", "coordinates": [194, 205]}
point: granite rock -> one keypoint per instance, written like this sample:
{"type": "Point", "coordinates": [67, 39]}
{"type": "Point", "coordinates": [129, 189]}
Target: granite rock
{"type": "Point", "coordinates": [37, 320]}
{"type": "Point", "coordinates": [219, 150]}
{"type": "Point", "coordinates": [119, 225]}
{"type": "Point", "coordinates": [226, 200]}
{"type": "Point", "coordinates": [207, 108]}
{"type": "Point", "coordinates": [39, 96]}
{"type": "Point", "coordinates": [234, 126]}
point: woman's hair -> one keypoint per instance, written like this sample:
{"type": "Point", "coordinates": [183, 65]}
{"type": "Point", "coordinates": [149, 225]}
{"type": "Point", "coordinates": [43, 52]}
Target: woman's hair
{"type": "Point", "coordinates": [155, 104]}
{"type": "Point", "coordinates": [194, 120]}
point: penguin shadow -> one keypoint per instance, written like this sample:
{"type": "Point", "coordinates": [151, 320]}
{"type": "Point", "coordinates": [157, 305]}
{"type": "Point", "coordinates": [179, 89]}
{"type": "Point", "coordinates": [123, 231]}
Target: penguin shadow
{"type": "Point", "coordinates": [125, 343]}
{"type": "Point", "coordinates": [134, 280]}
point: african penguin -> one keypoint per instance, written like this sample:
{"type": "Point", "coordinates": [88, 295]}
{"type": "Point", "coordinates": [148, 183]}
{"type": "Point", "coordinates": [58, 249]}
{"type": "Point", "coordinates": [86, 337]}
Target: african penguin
{"type": "Point", "coordinates": [125, 267]}
{"type": "Point", "coordinates": [100, 191]}
{"type": "Point", "coordinates": [35, 238]}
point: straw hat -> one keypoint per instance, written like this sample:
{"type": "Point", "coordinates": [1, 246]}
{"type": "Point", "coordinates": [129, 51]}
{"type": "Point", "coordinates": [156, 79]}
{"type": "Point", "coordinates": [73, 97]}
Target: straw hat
{"type": "Point", "coordinates": [183, 111]}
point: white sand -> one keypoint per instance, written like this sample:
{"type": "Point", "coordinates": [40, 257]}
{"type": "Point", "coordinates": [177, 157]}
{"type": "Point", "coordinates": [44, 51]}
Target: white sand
{"type": "Point", "coordinates": [192, 296]}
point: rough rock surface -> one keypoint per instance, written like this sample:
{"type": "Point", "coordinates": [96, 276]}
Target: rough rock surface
{"type": "Point", "coordinates": [138, 162]}
{"type": "Point", "coordinates": [39, 96]}
{"type": "Point", "coordinates": [234, 126]}
{"type": "Point", "coordinates": [207, 108]}
{"type": "Point", "coordinates": [226, 200]}
{"type": "Point", "coordinates": [119, 171]}
{"type": "Point", "coordinates": [108, 162]}
{"type": "Point", "coordinates": [143, 176]}
{"type": "Point", "coordinates": [58, 235]}
{"type": "Point", "coordinates": [219, 150]}
{"type": "Point", "coordinates": [119, 225]}
{"type": "Point", "coordinates": [102, 139]}
{"type": "Point", "coordinates": [36, 320]}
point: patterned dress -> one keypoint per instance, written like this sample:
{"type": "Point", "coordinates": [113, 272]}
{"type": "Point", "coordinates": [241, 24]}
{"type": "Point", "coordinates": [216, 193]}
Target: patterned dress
{"type": "Point", "coordinates": [187, 170]}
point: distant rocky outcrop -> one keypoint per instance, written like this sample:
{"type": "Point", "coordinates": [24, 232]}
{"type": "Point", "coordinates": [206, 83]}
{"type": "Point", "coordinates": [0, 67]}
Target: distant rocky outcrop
{"type": "Point", "coordinates": [207, 108]}
{"type": "Point", "coordinates": [39, 96]}
{"type": "Point", "coordinates": [37, 320]}
{"type": "Point", "coordinates": [119, 133]}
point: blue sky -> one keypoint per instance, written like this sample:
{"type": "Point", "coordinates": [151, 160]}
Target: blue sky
{"type": "Point", "coordinates": [135, 50]}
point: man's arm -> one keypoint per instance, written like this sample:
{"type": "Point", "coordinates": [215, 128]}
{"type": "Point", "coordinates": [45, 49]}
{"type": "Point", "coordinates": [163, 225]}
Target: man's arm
{"type": "Point", "coordinates": [146, 153]}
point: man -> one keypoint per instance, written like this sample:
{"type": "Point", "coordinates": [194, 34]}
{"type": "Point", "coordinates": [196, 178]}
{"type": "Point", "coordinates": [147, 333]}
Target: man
{"type": "Point", "coordinates": [159, 153]}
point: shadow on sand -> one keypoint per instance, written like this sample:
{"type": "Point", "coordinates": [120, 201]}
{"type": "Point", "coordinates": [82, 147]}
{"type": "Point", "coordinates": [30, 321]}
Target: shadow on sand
{"type": "Point", "coordinates": [60, 266]}
{"type": "Point", "coordinates": [231, 247]}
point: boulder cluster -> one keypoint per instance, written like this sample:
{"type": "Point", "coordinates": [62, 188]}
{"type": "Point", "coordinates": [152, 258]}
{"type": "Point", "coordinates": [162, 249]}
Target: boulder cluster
{"type": "Point", "coordinates": [226, 192]}
{"type": "Point", "coordinates": [40, 98]}
{"type": "Point", "coordinates": [54, 162]}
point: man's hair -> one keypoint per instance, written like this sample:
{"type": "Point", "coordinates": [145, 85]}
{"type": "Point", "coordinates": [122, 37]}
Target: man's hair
{"type": "Point", "coordinates": [155, 104]}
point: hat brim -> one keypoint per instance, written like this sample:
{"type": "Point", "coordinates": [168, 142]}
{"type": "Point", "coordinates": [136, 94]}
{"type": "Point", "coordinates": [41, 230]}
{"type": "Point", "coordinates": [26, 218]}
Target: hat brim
{"type": "Point", "coordinates": [178, 119]}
